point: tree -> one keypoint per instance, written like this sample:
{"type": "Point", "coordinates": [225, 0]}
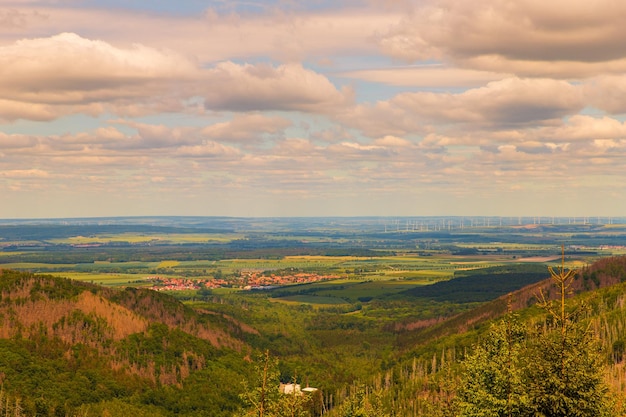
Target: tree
{"type": "Point", "coordinates": [493, 379]}
{"type": "Point", "coordinates": [565, 373]}
{"type": "Point", "coordinates": [293, 404]}
{"type": "Point", "coordinates": [265, 399]}
{"type": "Point", "coordinates": [565, 377]}
{"type": "Point", "coordinates": [554, 371]}
{"type": "Point", "coordinates": [362, 403]}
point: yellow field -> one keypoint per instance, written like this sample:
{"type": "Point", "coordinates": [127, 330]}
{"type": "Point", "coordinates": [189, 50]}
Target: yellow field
{"type": "Point", "coordinates": [168, 264]}
{"type": "Point", "coordinates": [322, 258]}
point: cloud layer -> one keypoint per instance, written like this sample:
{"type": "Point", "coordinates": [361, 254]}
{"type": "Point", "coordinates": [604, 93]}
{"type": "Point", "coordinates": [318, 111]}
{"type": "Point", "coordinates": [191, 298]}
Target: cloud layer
{"type": "Point", "coordinates": [362, 108]}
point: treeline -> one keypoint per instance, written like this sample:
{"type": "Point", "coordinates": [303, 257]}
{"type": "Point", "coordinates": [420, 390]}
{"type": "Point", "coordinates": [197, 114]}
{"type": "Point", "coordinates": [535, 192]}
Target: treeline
{"type": "Point", "coordinates": [65, 254]}
{"type": "Point", "coordinates": [44, 232]}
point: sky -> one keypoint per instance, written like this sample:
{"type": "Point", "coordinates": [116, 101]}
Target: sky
{"type": "Point", "coordinates": [318, 108]}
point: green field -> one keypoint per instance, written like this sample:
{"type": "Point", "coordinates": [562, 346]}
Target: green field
{"type": "Point", "coordinates": [105, 279]}
{"type": "Point", "coordinates": [174, 238]}
{"type": "Point", "coordinates": [288, 262]}
{"type": "Point", "coordinates": [353, 290]}
{"type": "Point", "coordinates": [371, 266]}
{"type": "Point", "coordinates": [362, 277]}
{"type": "Point", "coordinates": [311, 299]}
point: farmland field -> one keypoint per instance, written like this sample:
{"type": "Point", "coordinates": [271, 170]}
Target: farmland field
{"type": "Point", "coordinates": [174, 238]}
{"type": "Point", "coordinates": [352, 260]}
{"type": "Point", "coordinates": [104, 279]}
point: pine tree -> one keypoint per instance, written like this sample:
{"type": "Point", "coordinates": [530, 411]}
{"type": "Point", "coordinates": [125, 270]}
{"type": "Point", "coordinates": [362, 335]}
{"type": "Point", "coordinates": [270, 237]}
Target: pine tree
{"type": "Point", "coordinates": [555, 371]}
{"type": "Point", "coordinates": [565, 373]}
{"type": "Point", "coordinates": [492, 382]}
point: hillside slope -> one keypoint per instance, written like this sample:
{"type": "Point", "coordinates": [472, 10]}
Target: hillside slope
{"type": "Point", "coordinates": [427, 376]}
{"type": "Point", "coordinates": [65, 343]}
{"type": "Point", "coordinates": [601, 274]}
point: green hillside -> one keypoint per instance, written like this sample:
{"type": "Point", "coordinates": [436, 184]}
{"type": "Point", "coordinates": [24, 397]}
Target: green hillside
{"type": "Point", "coordinates": [67, 348]}
{"type": "Point", "coordinates": [432, 377]}
{"type": "Point", "coordinates": [71, 348]}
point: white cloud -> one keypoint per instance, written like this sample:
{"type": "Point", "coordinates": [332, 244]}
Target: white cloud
{"type": "Point", "coordinates": [217, 37]}
{"type": "Point", "coordinates": [11, 110]}
{"type": "Point", "coordinates": [24, 174]}
{"type": "Point", "coordinates": [508, 102]}
{"type": "Point", "coordinates": [517, 101]}
{"type": "Point", "coordinates": [229, 86]}
{"type": "Point", "coordinates": [207, 150]}
{"type": "Point", "coordinates": [241, 107]}
{"type": "Point", "coordinates": [583, 128]}
{"type": "Point", "coordinates": [392, 142]}
{"type": "Point", "coordinates": [67, 68]}
{"type": "Point", "coordinates": [296, 148]}
{"type": "Point", "coordinates": [43, 78]}
{"type": "Point", "coordinates": [608, 93]}
{"type": "Point", "coordinates": [246, 127]}
{"type": "Point", "coordinates": [514, 36]}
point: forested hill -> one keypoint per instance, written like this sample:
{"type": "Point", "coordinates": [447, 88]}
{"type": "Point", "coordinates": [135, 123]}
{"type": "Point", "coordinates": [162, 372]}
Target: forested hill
{"type": "Point", "coordinates": [65, 343]}
{"type": "Point", "coordinates": [441, 370]}
{"type": "Point", "coordinates": [72, 348]}
{"type": "Point", "coordinates": [601, 274]}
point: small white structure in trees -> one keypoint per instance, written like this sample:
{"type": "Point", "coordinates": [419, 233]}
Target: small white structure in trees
{"type": "Point", "coordinates": [290, 389]}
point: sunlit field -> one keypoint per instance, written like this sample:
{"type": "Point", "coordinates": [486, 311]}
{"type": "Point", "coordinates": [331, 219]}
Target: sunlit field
{"type": "Point", "coordinates": [173, 238]}
{"type": "Point", "coordinates": [133, 280]}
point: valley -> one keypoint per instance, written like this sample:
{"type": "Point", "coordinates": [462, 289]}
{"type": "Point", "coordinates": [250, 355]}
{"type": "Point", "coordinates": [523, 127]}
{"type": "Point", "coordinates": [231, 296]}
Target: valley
{"type": "Point", "coordinates": [170, 316]}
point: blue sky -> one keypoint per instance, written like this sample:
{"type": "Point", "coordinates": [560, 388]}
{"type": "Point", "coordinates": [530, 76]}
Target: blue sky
{"type": "Point", "coordinates": [284, 108]}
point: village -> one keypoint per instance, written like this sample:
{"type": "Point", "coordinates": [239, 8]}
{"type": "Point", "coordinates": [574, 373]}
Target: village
{"type": "Point", "coordinates": [247, 280]}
